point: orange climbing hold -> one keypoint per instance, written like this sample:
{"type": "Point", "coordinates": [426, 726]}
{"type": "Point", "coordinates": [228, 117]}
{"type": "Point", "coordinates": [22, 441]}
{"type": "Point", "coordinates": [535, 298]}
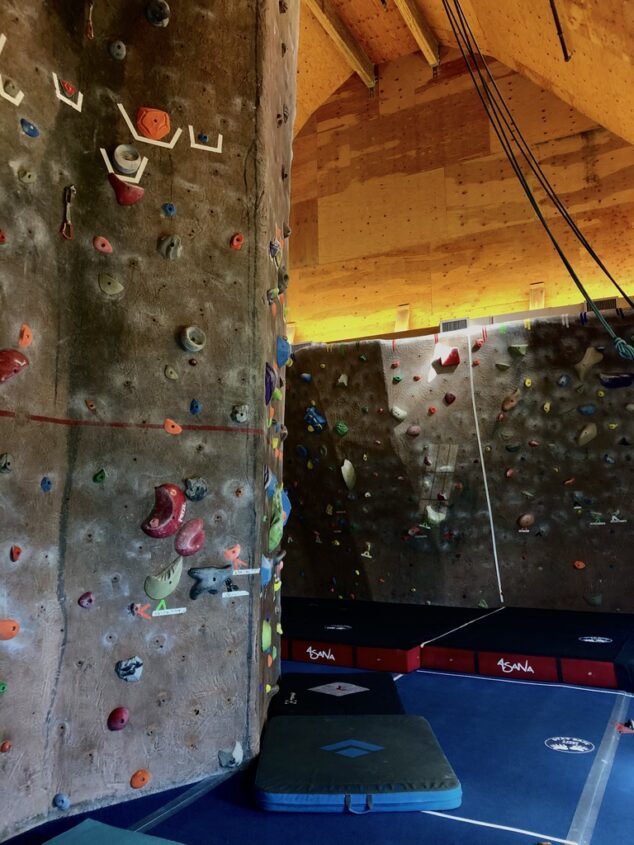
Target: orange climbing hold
{"type": "Point", "coordinates": [9, 629]}
{"type": "Point", "coordinates": [5, 746]}
{"type": "Point", "coordinates": [91, 405]}
{"type": "Point", "coordinates": [172, 427]}
{"type": "Point", "coordinates": [152, 123]}
{"type": "Point", "coordinates": [15, 553]}
{"type": "Point", "coordinates": [26, 336]}
{"type": "Point", "coordinates": [579, 564]}
{"type": "Point", "coordinates": [140, 779]}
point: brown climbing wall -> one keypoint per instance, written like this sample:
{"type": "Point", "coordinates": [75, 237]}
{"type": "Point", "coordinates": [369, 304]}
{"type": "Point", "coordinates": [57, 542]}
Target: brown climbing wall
{"type": "Point", "coordinates": [412, 522]}
{"type": "Point", "coordinates": [112, 404]}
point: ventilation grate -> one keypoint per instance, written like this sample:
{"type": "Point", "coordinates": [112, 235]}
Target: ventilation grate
{"type": "Point", "coordinates": [454, 325]}
{"type": "Point", "coordinates": [604, 304]}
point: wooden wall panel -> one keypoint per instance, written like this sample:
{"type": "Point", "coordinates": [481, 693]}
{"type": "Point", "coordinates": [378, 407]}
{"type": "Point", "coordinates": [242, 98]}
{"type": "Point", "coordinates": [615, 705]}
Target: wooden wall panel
{"type": "Point", "coordinates": [416, 205]}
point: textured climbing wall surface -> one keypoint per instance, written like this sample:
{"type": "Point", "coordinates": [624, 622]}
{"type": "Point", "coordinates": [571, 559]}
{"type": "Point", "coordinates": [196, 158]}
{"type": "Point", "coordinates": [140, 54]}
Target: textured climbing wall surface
{"type": "Point", "coordinates": [104, 396]}
{"type": "Point", "coordinates": [407, 519]}
{"type": "Point", "coordinates": [406, 197]}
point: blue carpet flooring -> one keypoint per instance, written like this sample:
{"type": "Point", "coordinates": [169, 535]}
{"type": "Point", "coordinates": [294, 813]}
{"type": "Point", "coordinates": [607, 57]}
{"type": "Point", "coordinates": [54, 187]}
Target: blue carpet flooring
{"type": "Point", "coordinates": [517, 791]}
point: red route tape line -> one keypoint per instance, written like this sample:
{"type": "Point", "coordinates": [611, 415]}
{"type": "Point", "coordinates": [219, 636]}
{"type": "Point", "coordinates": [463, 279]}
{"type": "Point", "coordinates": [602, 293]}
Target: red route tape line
{"type": "Point", "coordinates": [100, 424]}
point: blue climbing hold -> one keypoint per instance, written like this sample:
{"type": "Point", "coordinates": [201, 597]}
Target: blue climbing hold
{"type": "Point", "coordinates": [46, 484]}
{"type": "Point", "coordinates": [283, 351]}
{"type": "Point", "coordinates": [286, 506]}
{"type": "Point", "coordinates": [587, 410]}
{"type": "Point", "coordinates": [564, 381]}
{"type": "Point", "coordinates": [266, 571]}
{"type": "Point", "coordinates": [315, 420]}
{"type": "Point", "coordinates": [306, 377]}
{"type": "Point", "coordinates": [61, 801]}
{"type": "Point", "coordinates": [204, 139]}
{"type": "Point", "coordinates": [195, 407]}
{"type": "Point", "coordinates": [169, 209]}
{"type": "Point", "coordinates": [609, 459]}
{"type": "Point", "coordinates": [302, 451]}
{"type": "Point", "coordinates": [29, 128]}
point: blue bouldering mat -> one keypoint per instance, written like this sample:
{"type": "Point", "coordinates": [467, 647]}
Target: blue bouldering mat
{"type": "Point", "coordinates": [90, 832]}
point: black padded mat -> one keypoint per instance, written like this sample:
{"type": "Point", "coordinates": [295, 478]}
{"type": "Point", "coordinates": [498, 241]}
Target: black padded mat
{"type": "Point", "coordinates": [363, 693]}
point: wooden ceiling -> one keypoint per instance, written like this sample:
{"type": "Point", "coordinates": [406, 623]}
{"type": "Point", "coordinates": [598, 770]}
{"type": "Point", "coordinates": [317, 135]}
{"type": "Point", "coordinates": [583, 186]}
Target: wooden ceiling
{"type": "Point", "coordinates": [598, 80]}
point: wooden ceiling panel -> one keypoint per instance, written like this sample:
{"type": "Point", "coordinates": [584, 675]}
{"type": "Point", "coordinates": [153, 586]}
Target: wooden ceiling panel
{"type": "Point", "coordinates": [379, 29]}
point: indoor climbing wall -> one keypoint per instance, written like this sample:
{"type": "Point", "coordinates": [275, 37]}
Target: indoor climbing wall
{"type": "Point", "coordinates": [143, 245]}
{"type": "Point", "coordinates": [399, 496]}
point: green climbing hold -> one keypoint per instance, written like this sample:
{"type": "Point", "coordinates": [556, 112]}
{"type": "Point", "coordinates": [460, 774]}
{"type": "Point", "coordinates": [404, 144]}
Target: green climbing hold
{"type": "Point", "coordinates": [594, 600]}
{"type": "Point", "coordinates": [518, 350]}
{"type": "Point", "coordinates": [502, 365]}
{"type": "Point", "coordinates": [363, 357]}
{"type": "Point", "coordinates": [3, 687]}
{"type": "Point", "coordinates": [341, 428]}
{"type": "Point", "coordinates": [365, 409]}
{"type": "Point", "coordinates": [276, 529]}
{"type": "Point", "coordinates": [483, 604]}
{"type": "Point", "coordinates": [397, 379]}
{"type": "Point", "coordinates": [277, 394]}
{"type": "Point", "coordinates": [267, 636]}
{"type": "Point", "coordinates": [99, 477]}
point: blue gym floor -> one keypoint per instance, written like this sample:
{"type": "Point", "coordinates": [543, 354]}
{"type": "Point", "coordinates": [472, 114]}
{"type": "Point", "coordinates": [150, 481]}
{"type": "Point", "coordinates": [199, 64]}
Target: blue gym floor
{"type": "Point", "coordinates": [516, 789]}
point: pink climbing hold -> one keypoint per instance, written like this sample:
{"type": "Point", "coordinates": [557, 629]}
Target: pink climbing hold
{"type": "Point", "coordinates": [395, 365]}
{"type": "Point", "coordinates": [126, 194]}
{"type": "Point", "coordinates": [118, 719]}
{"type": "Point", "coordinates": [190, 538]}
{"type": "Point", "coordinates": [168, 513]}
{"type": "Point", "coordinates": [102, 244]}
{"type": "Point", "coordinates": [451, 359]}
{"type": "Point", "coordinates": [12, 362]}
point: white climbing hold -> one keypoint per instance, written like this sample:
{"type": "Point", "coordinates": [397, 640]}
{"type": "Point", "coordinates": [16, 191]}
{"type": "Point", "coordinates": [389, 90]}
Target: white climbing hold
{"type": "Point", "coordinates": [398, 413]}
{"type": "Point", "coordinates": [587, 433]}
{"type": "Point", "coordinates": [349, 474]}
{"type": "Point", "coordinates": [591, 357]}
{"type": "Point", "coordinates": [435, 515]}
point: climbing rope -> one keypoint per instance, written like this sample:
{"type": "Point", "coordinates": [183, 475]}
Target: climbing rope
{"type": "Point", "coordinates": [507, 132]}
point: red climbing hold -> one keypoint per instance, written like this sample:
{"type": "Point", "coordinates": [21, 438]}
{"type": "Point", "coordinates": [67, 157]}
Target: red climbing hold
{"type": "Point", "coordinates": [190, 538]}
{"type": "Point", "coordinates": [5, 746]}
{"type": "Point", "coordinates": [450, 398]}
{"type": "Point", "coordinates": [11, 363]}
{"type": "Point", "coordinates": [431, 410]}
{"type": "Point", "coordinates": [118, 719]}
{"type": "Point", "coordinates": [395, 365]}
{"type": "Point", "coordinates": [417, 378]}
{"type": "Point", "coordinates": [451, 359]}
{"type": "Point", "coordinates": [69, 88]}
{"type": "Point", "coordinates": [15, 553]}
{"type": "Point", "coordinates": [3, 237]}
{"type": "Point", "coordinates": [237, 241]}
{"type": "Point", "coordinates": [479, 343]}
{"type": "Point", "coordinates": [126, 194]}
{"type": "Point", "coordinates": [168, 514]}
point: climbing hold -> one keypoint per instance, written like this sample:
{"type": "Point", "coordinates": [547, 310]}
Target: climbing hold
{"type": "Point", "coordinates": [591, 357]}
{"type": "Point", "coordinates": [397, 379]}
{"type": "Point", "coordinates": [449, 398]}
{"type": "Point", "coordinates": [341, 428]}
{"type": "Point", "coordinates": [601, 394]}
{"type": "Point", "coordinates": [207, 579]}
{"type": "Point", "coordinates": [46, 484]}
{"type": "Point", "coordinates": [237, 241]}
{"type": "Point", "coordinates": [10, 87]}
{"type": "Point", "coordinates": [283, 279]}
{"type": "Point", "coordinates": [172, 427]}
{"type": "Point", "coordinates": [283, 351]}
{"type": "Point", "coordinates": [398, 413]}
{"type": "Point", "coordinates": [395, 365]}
{"type": "Point", "coordinates": [170, 373]}
{"type": "Point", "coordinates": [12, 362]}
{"type": "Point", "coordinates": [510, 447]}
{"type": "Point", "coordinates": [99, 477]}
{"type": "Point", "coordinates": [608, 459]}
{"type": "Point", "coordinates": [478, 343]}
{"type": "Point", "coordinates": [315, 420]}
{"type": "Point", "coordinates": [533, 443]}
{"type": "Point", "coordinates": [117, 50]}
{"type": "Point", "coordinates": [126, 159]}
{"type": "Point", "coordinates": [29, 128]}
{"type": "Point", "coordinates": [342, 381]}
{"type": "Point", "coordinates": [195, 407]}
{"type": "Point", "coordinates": [61, 801]}
{"type": "Point", "coordinates": [15, 553]}
{"type": "Point", "coordinates": [152, 123]}
{"type": "Point", "coordinates": [546, 407]}
{"type": "Point", "coordinates": [502, 365]}
{"type": "Point", "coordinates": [564, 380]}
{"type": "Point", "coordinates": [86, 600]}
{"type": "Point", "coordinates": [306, 377]}
{"type": "Point", "coordinates": [6, 462]}
{"type": "Point", "coordinates": [90, 405]}
{"type": "Point", "coordinates": [363, 358]}
{"type": "Point", "coordinates": [475, 362]}
{"type": "Point", "coordinates": [193, 339]}
{"type": "Point", "coordinates": [171, 248]}
{"type": "Point", "coordinates": [240, 413]}
{"type": "Point", "coordinates": [190, 538]}
{"type": "Point", "coordinates": [110, 286]}
{"type": "Point", "coordinates": [140, 779]}
{"type": "Point", "coordinates": [25, 338]}
{"type": "Point", "coordinates": [9, 628]}
{"type": "Point", "coordinates": [102, 244]}
{"type": "Point", "coordinates": [525, 521]}
{"type": "Point", "coordinates": [587, 433]}
{"type": "Point", "coordinates": [511, 400]}
{"type": "Point", "coordinates": [450, 358]}
{"type": "Point", "coordinates": [518, 350]}
{"type": "Point", "coordinates": [203, 138]}
{"type": "Point", "coordinates": [528, 382]}
{"type": "Point", "coordinates": [587, 410]}
{"type": "Point", "coordinates": [594, 600]}
{"type": "Point", "coordinates": [435, 516]}
{"type": "Point", "coordinates": [579, 564]}
{"type": "Point", "coordinates": [615, 380]}
{"type": "Point", "coordinates": [129, 670]}
{"type": "Point", "coordinates": [266, 635]}
{"type": "Point", "coordinates": [5, 746]}
{"type": "Point", "coordinates": [277, 394]}
{"type": "Point", "coordinates": [348, 473]}
{"type": "Point", "coordinates": [231, 759]}
{"type": "Point", "coordinates": [413, 430]}
{"type": "Point", "coordinates": [168, 513]}
{"type": "Point", "coordinates": [158, 13]}
{"type": "Point", "coordinates": [431, 410]}
{"type": "Point", "coordinates": [27, 176]}
{"type": "Point", "coordinates": [118, 719]}
{"type": "Point", "coordinates": [196, 489]}
{"type": "Point", "coordinates": [161, 586]}
{"type": "Point", "coordinates": [125, 193]}
{"type": "Point", "coordinates": [3, 238]}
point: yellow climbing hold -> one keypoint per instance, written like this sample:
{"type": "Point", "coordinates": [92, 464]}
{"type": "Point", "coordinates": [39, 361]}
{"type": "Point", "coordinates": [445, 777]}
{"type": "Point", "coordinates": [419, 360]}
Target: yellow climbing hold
{"type": "Point", "coordinates": [528, 382]}
{"type": "Point", "coordinates": [546, 407]}
{"type": "Point", "coordinates": [601, 394]}
{"type": "Point", "coordinates": [310, 465]}
{"type": "Point", "coordinates": [612, 426]}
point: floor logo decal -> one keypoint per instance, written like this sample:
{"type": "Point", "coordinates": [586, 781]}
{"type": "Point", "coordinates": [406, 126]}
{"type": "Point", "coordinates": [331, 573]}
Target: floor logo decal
{"type": "Point", "coordinates": [569, 744]}
{"type": "Point", "coordinates": [595, 640]}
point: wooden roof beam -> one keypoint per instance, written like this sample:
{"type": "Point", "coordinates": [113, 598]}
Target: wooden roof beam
{"type": "Point", "coordinates": [343, 39]}
{"type": "Point", "coordinates": [418, 26]}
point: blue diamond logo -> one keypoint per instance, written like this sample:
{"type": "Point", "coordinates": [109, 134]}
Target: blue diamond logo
{"type": "Point", "coordinates": [352, 748]}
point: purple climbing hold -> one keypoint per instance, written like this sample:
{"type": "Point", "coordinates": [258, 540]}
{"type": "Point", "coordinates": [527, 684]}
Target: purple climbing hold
{"type": "Point", "coordinates": [414, 430]}
{"type": "Point", "coordinates": [118, 719]}
{"type": "Point", "coordinates": [450, 398]}
{"type": "Point", "coordinates": [614, 380]}
{"type": "Point", "coordinates": [86, 600]}
{"type": "Point", "coordinates": [270, 383]}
